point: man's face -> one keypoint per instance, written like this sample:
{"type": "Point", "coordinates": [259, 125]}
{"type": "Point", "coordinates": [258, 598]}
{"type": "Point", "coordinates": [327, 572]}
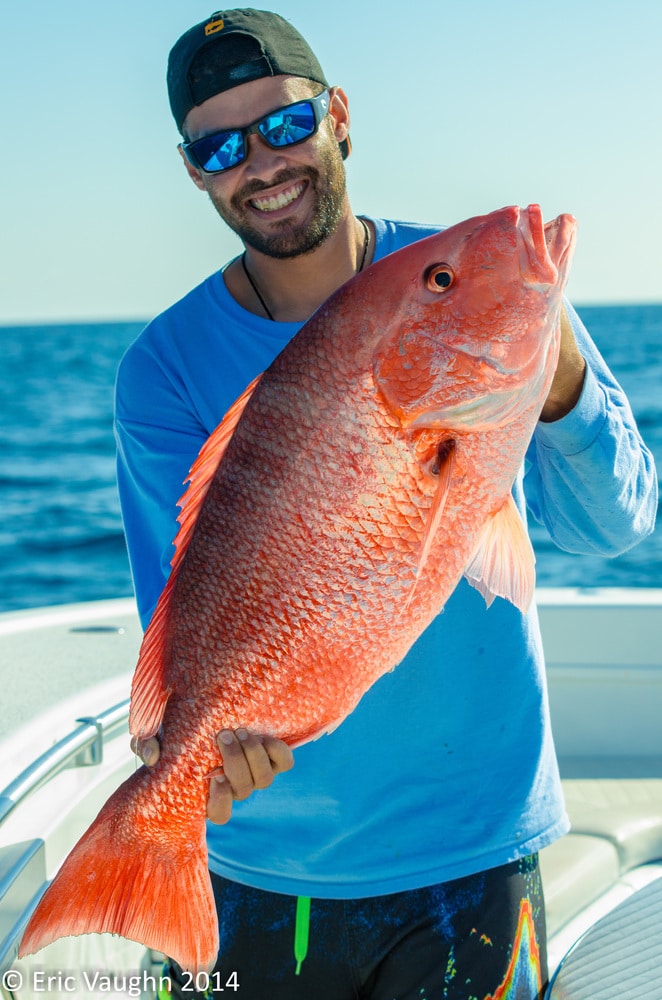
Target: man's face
{"type": "Point", "coordinates": [282, 202]}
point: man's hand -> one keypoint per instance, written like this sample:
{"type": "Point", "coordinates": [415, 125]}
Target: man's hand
{"type": "Point", "coordinates": [249, 762]}
{"type": "Point", "coordinates": [569, 377]}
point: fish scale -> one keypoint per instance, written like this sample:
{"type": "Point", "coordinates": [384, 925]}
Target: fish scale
{"type": "Point", "coordinates": [328, 520]}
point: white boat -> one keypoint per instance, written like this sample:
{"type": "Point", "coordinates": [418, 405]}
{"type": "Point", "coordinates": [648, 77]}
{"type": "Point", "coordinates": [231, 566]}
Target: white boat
{"type": "Point", "coordinates": [66, 674]}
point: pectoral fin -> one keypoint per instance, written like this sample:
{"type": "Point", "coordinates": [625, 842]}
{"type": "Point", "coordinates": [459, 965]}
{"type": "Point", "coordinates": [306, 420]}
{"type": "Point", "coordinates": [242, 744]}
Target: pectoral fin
{"type": "Point", "coordinates": [503, 564]}
{"type": "Point", "coordinates": [443, 468]}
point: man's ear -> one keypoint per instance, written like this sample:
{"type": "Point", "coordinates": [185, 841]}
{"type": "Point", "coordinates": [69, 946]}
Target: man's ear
{"type": "Point", "coordinates": [193, 172]}
{"type": "Point", "coordinates": [339, 111]}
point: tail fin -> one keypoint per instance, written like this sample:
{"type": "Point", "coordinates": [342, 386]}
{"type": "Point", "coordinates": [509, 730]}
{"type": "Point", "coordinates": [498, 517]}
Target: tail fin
{"type": "Point", "coordinates": [116, 881]}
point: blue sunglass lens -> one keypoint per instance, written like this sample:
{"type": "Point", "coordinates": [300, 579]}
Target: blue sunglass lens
{"type": "Point", "coordinates": [289, 125]}
{"type": "Point", "coordinates": [220, 152]}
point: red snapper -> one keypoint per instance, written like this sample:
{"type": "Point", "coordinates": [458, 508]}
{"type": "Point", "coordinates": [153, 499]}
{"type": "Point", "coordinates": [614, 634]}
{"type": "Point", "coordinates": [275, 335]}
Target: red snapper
{"type": "Point", "coordinates": [328, 520]}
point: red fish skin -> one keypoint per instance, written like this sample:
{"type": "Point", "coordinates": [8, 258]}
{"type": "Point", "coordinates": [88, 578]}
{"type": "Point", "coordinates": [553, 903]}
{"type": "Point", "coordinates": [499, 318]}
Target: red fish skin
{"type": "Point", "coordinates": [312, 568]}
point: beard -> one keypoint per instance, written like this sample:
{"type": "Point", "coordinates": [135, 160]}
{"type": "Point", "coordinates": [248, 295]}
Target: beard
{"type": "Point", "coordinates": [328, 184]}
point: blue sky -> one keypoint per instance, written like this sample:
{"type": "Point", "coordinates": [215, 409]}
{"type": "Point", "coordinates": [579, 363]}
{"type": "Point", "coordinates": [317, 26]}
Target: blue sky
{"type": "Point", "coordinates": [457, 109]}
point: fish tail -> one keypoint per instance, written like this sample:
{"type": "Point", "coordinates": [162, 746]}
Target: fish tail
{"type": "Point", "coordinates": [118, 880]}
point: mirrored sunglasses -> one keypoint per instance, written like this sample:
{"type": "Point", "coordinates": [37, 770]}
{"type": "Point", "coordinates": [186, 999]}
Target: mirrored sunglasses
{"type": "Point", "coordinates": [284, 127]}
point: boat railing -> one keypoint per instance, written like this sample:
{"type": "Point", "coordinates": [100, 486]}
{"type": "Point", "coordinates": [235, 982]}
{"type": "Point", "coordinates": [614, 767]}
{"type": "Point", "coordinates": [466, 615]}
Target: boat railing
{"type": "Point", "coordinates": [23, 865]}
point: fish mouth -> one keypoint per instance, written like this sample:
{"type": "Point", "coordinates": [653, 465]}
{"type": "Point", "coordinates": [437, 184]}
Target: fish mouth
{"type": "Point", "coordinates": [544, 250]}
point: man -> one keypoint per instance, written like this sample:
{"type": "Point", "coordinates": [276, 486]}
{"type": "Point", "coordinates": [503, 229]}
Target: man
{"type": "Point", "coordinates": [415, 826]}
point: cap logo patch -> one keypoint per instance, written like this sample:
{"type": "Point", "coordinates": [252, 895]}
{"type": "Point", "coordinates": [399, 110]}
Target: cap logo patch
{"type": "Point", "coordinates": [213, 26]}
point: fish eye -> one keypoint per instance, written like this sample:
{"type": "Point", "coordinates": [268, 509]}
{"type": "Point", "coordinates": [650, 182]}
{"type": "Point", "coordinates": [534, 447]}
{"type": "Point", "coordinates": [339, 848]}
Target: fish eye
{"type": "Point", "coordinates": [439, 277]}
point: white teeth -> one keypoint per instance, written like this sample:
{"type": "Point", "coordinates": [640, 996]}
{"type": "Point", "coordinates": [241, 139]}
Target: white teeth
{"type": "Point", "coordinates": [277, 201]}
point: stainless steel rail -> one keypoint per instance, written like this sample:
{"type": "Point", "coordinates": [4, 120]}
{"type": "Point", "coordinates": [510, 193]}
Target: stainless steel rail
{"type": "Point", "coordinates": [22, 865]}
{"type": "Point", "coordinates": [81, 748]}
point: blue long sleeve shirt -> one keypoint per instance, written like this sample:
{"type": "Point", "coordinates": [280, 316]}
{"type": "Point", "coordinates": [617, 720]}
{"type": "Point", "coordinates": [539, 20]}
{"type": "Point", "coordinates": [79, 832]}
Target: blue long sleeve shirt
{"type": "Point", "coordinates": [447, 765]}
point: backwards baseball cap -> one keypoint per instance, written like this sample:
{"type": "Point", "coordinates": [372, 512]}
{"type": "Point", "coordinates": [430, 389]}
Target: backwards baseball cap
{"type": "Point", "coordinates": [233, 47]}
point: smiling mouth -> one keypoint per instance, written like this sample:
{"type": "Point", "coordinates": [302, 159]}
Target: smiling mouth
{"type": "Point", "coordinates": [275, 202]}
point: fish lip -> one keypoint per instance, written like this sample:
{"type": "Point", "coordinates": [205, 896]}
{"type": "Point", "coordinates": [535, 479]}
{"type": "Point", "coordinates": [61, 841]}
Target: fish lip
{"type": "Point", "coordinates": [545, 249]}
{"type": "Point", "coordinates": [560, 235]}
{"type": "Point", "coordinates": [536, 265]}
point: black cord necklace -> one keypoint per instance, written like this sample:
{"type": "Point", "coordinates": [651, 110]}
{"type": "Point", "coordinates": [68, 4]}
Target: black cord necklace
{"type": "Point", "coordinates": [366, 244]}
{"type": "Point", "coordinates": [254, 287]}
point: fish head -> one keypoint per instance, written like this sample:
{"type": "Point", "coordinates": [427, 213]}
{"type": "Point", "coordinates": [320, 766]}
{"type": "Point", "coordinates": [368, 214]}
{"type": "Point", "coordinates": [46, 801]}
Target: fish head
{"type": "Point", "coordinates": [476, 332]}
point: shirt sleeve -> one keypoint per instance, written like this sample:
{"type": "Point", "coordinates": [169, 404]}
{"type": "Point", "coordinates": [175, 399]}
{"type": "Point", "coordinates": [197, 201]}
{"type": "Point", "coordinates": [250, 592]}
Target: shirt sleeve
{"type": "Point", "coordinates": [154, 456]}
{"type": "Point", "coordinates": [589, 477]}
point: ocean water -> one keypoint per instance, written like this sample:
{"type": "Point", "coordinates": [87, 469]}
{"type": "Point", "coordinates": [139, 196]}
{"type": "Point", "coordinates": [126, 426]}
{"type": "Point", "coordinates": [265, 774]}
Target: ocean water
{"type": "Point", "coordinates": [61, 536]}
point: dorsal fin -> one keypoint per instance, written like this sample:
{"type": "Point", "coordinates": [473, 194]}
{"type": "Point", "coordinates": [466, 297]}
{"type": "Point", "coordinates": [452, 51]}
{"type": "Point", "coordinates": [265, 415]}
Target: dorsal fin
{"type": "Point", "coordinates": [149, 693]}
{"type": "Point", "coordinates": [203, 471]}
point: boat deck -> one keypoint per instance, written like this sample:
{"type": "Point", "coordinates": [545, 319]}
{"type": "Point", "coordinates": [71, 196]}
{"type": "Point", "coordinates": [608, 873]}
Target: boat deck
{"type": "Point", "coordinates": [604, 657]}
{"type": "Point", "coordinates": [50, 654]}
{"type": "Point", "coordinates": [604, 665]}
